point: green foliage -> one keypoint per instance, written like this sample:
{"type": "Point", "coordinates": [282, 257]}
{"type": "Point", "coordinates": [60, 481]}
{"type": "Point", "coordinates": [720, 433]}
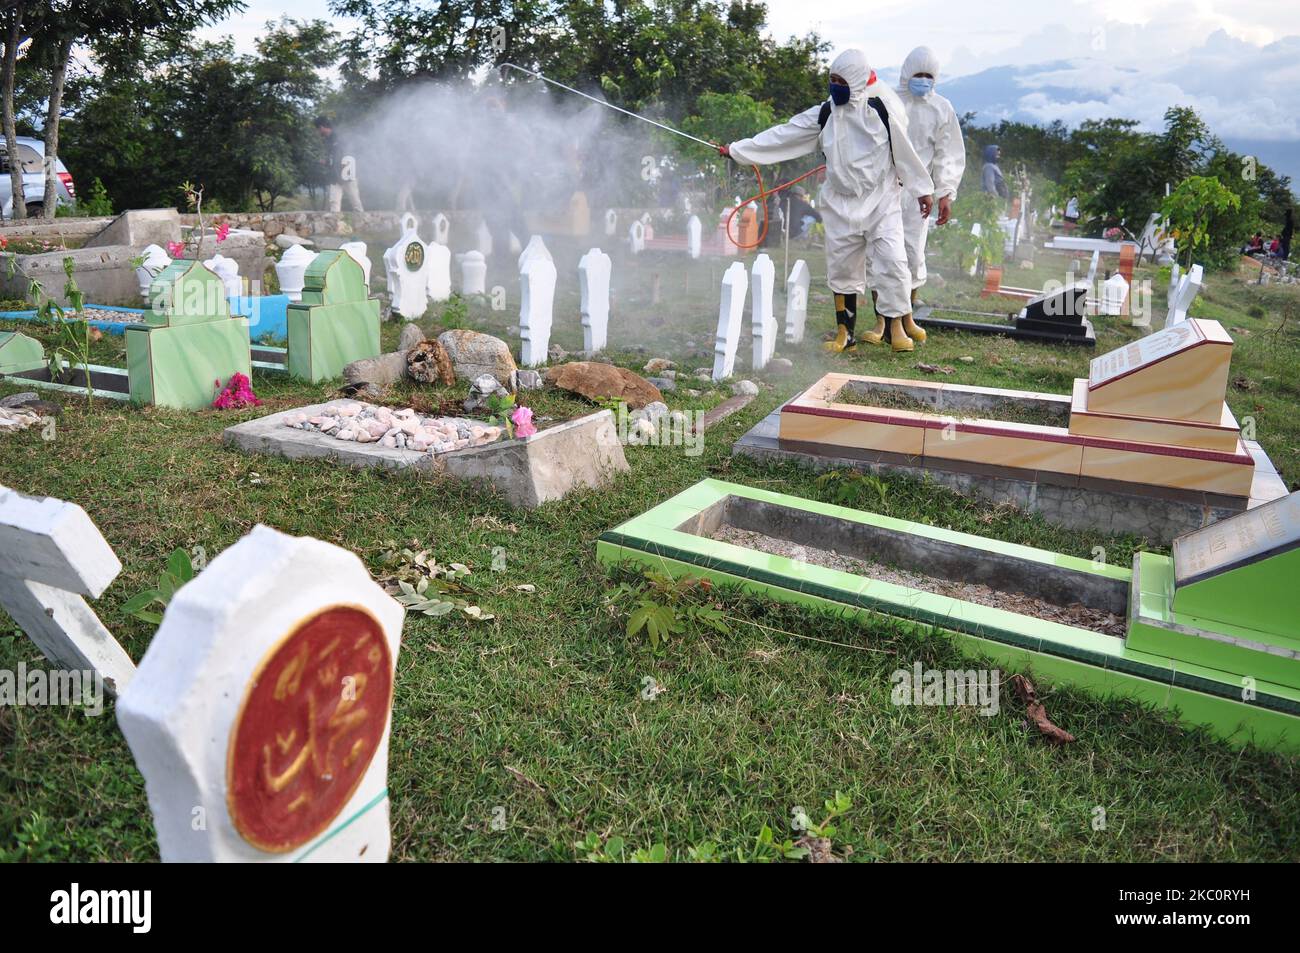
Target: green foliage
{"type": "Point", "coordinates": [189, 109]}
{"type": "Point", "coordinates": [661, 607]}
{"type": "Point", "coordinates": [422, 584]}
{"type": "Point", "coordinates": [615, 851]}
{"type": "Point", "coordinates": [854, 488]}
{"type": "Point", "coordinates": [500, 407]}
{"type": "Point", "coordinates": [1190, 209]}
{"type": "Point", "coordinates": [96, 202]}
{"type": "Point", "coordinates": [148, 605]}
{"type": "Point", "coordinates": [72, 340]}
{"type": "Point", "coordinates": [814, 843]}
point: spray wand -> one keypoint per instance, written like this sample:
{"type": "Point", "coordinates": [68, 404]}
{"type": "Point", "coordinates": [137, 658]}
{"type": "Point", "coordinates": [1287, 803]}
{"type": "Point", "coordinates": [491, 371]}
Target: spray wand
{"type": "Point", "coordinates": [762, 193]}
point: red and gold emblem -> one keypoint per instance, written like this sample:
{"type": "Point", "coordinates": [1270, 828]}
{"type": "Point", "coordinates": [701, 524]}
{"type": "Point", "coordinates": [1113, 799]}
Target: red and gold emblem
{"type": "Point", "coordinates": [311, 721]}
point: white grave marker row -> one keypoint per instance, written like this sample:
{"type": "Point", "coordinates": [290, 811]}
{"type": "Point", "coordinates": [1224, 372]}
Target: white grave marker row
{"type": "Point", "coordinates": [593, 281]}
{"type": "Point", "coordinates": [536, 303]}
{"type": "Point", "coordinates": [735, 282]}
{"type": "Point", "coordinates": [762, 321]}
{"type": "Point", "coordinates": [796, 301]}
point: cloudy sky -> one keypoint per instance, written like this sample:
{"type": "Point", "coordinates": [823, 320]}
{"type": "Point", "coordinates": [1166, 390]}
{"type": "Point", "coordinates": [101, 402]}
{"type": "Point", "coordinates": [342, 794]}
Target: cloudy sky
{"type": "Point", "coordinates": [1236, 61]}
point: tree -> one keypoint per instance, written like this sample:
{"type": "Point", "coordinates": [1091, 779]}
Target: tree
{"type": "Point", "coordinates": [239, 125]}
{"type": "Point", "coordinates": [13, 34]}
{"type": "Point", "coordinates": [57, 25]}
{"type": "Point", "coordinates": [1189, 209]}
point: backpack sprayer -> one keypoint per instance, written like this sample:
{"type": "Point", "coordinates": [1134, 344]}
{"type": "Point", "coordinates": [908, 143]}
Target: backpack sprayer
{"type": "Point", "coordinates": [762, 193]}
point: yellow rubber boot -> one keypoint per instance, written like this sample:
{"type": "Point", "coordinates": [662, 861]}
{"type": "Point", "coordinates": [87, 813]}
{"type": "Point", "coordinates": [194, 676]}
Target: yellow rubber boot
{"type": "Point", "coordinates": [914, 330]}
{"type": "Point", "coordinates": [843, 341]}
{"type": "Point", "coordinates": [877, 334]}
{"type": "Point", "coordinates": [898, 338]}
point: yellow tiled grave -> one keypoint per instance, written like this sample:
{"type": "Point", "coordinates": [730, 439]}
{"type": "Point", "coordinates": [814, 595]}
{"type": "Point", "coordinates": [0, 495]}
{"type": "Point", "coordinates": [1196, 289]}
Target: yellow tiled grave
{"type": "Point", "coordinates": [1177, 373]}
{"type": "Point", "coordinates": [1084, 421]}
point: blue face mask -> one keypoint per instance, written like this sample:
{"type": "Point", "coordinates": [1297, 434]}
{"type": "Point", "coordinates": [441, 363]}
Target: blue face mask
{"type": "Point", "coordinates": [839, 94]}
{"type": "Point", "coordinates": [920, 86]}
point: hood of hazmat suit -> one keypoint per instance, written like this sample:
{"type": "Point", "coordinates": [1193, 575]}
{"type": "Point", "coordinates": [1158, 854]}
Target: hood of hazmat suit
{"type": "Point", "coordinates": [932, 125]}
{"type": "Point", "coordinates": [865, 164]}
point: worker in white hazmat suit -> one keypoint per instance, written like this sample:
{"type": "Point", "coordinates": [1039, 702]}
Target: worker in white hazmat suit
{"type": "Point", "coordinates": [936, 136]}
{"type": "Point", "coordinates": [870, 166]}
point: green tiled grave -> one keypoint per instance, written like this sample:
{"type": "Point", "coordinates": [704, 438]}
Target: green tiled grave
{"type": "Point", "coordinates": [1203, 684]}
{"type": "Point", "coordinates": [189, 344]}
{"type": "Point", "coordinates": [19, 353]}
{"type": "Point", "coordinates": [336, 322]}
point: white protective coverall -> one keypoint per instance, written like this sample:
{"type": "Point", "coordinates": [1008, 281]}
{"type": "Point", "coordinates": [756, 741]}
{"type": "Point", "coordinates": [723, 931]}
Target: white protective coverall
{"type": "Point", "coordinates": [936, 136]}
{"type": "Point", "coordinates": [865, 181]}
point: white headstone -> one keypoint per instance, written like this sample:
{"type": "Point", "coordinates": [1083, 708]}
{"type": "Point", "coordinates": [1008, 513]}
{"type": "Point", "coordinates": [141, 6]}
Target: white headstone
{"type": "Point", "coordinates": [536, 248]}
{"type": "Point", "coordinates": [593, 281]}
{"type": "Point", "coordinates": [441, 229]}
{"type": "Point", "coordinates": [762, 320]}
{"type": "Point", "coordinates": [473, 273]}
{"type": "Point", "coordinates": [406, 266]}
{"type": "Point", "coordinates": [51, 555]}
{"type": "Point", "coordinates": [1188, 288]}
{"type": "Point", "coordinates": [611, 222]}
{"type": "Point", "coordinates": [438, 263]}
{"type": "Point", "coordinates": [155, 260]}
{"type": "Point", "coordinates": [227, 269]}
{"type": "Point", "coordinates": [636, 236]}
{"type": "Point", "coordinates": [261, 712]}
{"type": "Point", "coordinates": [291, 270]}
{"type": "Point", "coordinates": [358, 252]}
{"type": "Point", "coordinates": [1114, 292]}
{"type": "Point", "coordinates": [1175, 274]}
{"type": "Point", "coordinates": [735, 282]}
{"type": "Point", "coordinates": [796, 301]}
{"type": "Point", "coordinates": [537, 298]}
{"type": "Point", "coordinates": [1092, 270]}
{"type": "Point", "coordinates": [483, 239]}
{"type": "Point", "coordinates": [978, 231]}
{"type": "Point", "coordinates": [694, 236]}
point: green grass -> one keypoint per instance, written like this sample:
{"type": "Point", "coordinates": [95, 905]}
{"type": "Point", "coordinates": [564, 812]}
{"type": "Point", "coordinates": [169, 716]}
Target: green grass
{"type": "Point", "coordinates": [540, 711]}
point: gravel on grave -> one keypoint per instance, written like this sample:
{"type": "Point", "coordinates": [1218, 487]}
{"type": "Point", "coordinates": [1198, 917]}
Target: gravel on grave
{"type": "Point", "coordinates": [1079, 616]}
{"type": "Point", "coordinates": [402, 429]}
{"type": "Point", "coordinates": [116, 317]}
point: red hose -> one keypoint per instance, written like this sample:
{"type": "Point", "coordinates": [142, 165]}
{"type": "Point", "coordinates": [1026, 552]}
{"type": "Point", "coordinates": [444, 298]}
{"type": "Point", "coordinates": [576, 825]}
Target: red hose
{"type": "Point", "coordinates": [763, 194]}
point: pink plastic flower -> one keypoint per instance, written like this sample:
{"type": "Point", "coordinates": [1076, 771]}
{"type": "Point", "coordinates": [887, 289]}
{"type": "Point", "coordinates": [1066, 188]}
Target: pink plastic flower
{"type": "Point", "coordinates": [222, 231]}
{"type": "Point", "coordinates": [522, 418]}
{"type": "Point", "coordinates": [175, 249]}
{"type": "Point", "coordinates": [237, 394]}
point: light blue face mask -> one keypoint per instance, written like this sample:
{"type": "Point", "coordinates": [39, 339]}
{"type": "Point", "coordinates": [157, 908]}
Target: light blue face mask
{"type": "Point", "coordinates": [920, 86]}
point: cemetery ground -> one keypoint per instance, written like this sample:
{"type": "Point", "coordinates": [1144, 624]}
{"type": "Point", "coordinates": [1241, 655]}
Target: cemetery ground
{"type": "Point", "coordinates": [519, 737]}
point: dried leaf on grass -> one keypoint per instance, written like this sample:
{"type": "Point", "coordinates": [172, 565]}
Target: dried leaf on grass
{"type": "Point", "coordinates": [1037, 714]}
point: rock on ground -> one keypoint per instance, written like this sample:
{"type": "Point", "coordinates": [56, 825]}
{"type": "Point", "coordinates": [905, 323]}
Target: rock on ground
{"type": "Point", "coordinates": [382, 371]}
{"type": "Point", "coordinates": [744, 388]}
{"type": "Point", "coordinates": [474, 354]}
{"type": "Point", "coordinates": [592, 380]}
{"type": "Point", "coordinates": [428, 362]}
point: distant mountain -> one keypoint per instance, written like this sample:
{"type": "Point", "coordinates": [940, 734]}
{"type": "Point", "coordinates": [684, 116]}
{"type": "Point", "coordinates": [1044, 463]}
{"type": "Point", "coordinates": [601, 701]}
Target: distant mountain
{"type": "Point", "coordinates": [1077, 89]}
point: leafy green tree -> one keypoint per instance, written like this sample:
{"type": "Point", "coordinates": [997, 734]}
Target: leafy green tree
{"type": "Point", "coordinates": [239, 125]}
{"type": "Point", "coordinates": [1189, 211]}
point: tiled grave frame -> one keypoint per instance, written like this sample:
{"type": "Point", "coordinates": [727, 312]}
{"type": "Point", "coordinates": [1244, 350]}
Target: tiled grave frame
{"type": "Point", "coordinates": [812, 417]}
{"type": "Point", "coordinates": [660, 539]}
{"type": "Point", "coordinates": [334, 281]}
{"type": "Point", "coordinates": [174, 356]}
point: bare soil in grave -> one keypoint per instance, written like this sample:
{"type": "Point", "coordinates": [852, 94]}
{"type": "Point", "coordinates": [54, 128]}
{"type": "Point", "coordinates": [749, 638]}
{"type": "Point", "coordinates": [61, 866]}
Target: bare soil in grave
{"type": "Point", "coordinates": [899, 400]}
{"type": "Point", "coordinates": [1079, 616]}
